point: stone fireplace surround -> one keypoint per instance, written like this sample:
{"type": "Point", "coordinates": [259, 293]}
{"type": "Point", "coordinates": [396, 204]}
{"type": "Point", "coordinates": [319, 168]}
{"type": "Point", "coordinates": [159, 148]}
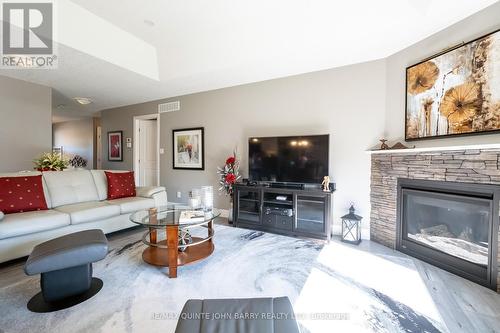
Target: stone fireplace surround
{"type": "Point", "coordinates": [468, 164]}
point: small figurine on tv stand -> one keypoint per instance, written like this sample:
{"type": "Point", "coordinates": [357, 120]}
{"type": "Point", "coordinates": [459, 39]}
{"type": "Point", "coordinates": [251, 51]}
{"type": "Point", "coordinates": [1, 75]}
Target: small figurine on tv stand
{"type": "Point", "coordinates": [326, 184]}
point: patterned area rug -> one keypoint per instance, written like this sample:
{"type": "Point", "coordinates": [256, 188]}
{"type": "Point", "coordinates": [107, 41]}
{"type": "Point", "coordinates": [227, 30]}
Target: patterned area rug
{"type": "Point", "coordinates": [334, 287]}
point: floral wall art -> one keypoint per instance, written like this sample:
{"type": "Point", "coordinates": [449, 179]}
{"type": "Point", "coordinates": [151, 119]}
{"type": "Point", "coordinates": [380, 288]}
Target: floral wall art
{"type": "Point", "coordinates": [188, 149]}
{"type": "Point", "coordinates": [455, 93]}
{"type": "Point", "coordinates": [115, 146]}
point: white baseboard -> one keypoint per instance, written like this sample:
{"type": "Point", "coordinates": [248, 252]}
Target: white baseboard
{"type": "Point", "coordinates": [224, 212]}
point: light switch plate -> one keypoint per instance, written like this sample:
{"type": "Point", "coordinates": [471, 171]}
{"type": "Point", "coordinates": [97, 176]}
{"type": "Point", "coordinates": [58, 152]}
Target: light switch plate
{"type": "Point", "coordinates": [129, 144]}
{"type": "Point", "coordinates": [162, 151]}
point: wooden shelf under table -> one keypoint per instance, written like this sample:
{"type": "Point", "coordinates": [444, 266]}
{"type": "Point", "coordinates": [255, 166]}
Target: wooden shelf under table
{"type": "Point", "coordinates": [159, 256]}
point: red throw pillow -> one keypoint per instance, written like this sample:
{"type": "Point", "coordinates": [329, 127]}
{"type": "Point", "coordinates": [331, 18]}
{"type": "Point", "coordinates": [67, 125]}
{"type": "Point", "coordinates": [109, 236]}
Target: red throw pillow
{"type": "Point", "coordinates": [21, 194]}
{"type": "Point", "coordinates": [120, 184]}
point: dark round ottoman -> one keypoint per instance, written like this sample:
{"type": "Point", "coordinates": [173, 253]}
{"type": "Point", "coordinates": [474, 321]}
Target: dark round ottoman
{"type": "Point", "coordinates": [65, 265]}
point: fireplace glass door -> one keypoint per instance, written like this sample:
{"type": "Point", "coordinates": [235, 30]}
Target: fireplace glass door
{"type": "Point", "coordinates": [453, 224]}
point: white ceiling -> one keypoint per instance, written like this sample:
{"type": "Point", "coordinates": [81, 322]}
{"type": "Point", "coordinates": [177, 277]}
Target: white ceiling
{"type": "Point", "coordinates": [109, 53]}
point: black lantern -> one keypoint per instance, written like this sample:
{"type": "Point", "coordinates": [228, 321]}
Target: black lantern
{"type": "Point", "coordinates": [351, 227]}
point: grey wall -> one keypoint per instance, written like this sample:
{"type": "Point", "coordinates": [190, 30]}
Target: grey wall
{"type": "Point", "coordinates": [76, 137]}
{"type": "Point", "coordinates": [121, 119]}
{"type": "Point", "coordinates": [356, 105]}
{"type": "Point", "coordinates": [475, 26]}
{"type": "Point", "coordinates": [348, 103]}
{"type": "Point", "coordinates": [25, 123]}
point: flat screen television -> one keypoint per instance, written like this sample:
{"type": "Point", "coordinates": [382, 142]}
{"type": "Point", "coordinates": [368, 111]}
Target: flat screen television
{"type": "Point", "coordinates": [290, 159]}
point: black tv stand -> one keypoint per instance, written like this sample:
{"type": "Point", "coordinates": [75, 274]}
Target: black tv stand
{"type": "Point", "coordinates": [302, 211]}
{"type": "Point", "coordinates": [296, 186]}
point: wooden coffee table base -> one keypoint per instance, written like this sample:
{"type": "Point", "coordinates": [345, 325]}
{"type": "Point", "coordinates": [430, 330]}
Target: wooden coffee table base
{"type": "Point", "coordinates": [160, 256]}
{"type": "Point", "coordinates": [165, 252]}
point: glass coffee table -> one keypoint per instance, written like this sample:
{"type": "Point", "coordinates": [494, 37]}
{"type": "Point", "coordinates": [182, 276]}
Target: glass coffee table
{"type": "Point", "coordinates": [168, 252]}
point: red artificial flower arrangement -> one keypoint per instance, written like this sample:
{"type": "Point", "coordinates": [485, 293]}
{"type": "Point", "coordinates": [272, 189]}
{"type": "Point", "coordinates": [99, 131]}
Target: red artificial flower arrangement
{"type": "Point", "coordinates": [230, 178]}
{"type": "Point", "coordinates": [229, 174]}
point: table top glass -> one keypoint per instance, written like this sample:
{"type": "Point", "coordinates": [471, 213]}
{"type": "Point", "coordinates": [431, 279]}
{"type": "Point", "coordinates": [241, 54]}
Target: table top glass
{"type": "Point", "coordinates": [170, 215]}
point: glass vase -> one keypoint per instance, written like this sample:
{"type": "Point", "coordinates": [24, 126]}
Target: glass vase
{"type": "Point", "coordinates": [207, 198]}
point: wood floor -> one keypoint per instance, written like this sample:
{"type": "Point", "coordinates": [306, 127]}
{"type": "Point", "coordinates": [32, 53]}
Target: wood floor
{"type": "Point", "coordinates": [463, 305]}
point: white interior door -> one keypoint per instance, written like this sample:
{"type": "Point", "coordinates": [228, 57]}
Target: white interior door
{"type": "Point", "coordinates": [99, 148]}
{"type": "Point", "coordinates": [148, 153]}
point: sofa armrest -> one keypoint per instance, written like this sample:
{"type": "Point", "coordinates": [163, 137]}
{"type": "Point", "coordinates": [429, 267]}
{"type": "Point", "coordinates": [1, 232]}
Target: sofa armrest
{"type": "Point", "coordinates": [158, 193]}
{"type": "Point", "coordinates": [148, 191]}
{"type": "Point", "coordinates": [1, 215]}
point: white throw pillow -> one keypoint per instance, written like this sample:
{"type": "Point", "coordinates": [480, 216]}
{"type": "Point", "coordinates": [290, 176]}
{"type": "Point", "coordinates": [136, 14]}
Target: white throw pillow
{"type": "Point", "coordinates": [1, 215]}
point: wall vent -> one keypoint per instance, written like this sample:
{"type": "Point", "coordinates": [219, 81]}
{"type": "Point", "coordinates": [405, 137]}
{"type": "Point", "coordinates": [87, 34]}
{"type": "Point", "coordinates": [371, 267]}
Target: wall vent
{"type": "Point", "coordinates": [169, 107]}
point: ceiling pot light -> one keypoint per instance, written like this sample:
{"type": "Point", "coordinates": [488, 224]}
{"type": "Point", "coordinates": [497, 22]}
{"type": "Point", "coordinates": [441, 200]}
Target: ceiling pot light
{"type": "Point", "coordinates": [82, 100]}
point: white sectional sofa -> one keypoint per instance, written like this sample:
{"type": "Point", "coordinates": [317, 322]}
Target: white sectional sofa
{"type": "Point", "coordinates": [77, 200]}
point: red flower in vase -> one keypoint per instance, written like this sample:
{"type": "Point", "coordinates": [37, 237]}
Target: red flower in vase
{"type": "Point", "coordinates": [230, 178]}
{"type": "Point", "coordinates": [231, 160]}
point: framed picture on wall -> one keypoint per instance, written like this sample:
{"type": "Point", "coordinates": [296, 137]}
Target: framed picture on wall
{"type": "Point", "coordinates": [58, 151]}
{"type": "Point", "coordinates": [455, 92]}
{"type": "Point", "coordinates": [188, 148]}
{"type": "Point", "coordinates": [115, 146]}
